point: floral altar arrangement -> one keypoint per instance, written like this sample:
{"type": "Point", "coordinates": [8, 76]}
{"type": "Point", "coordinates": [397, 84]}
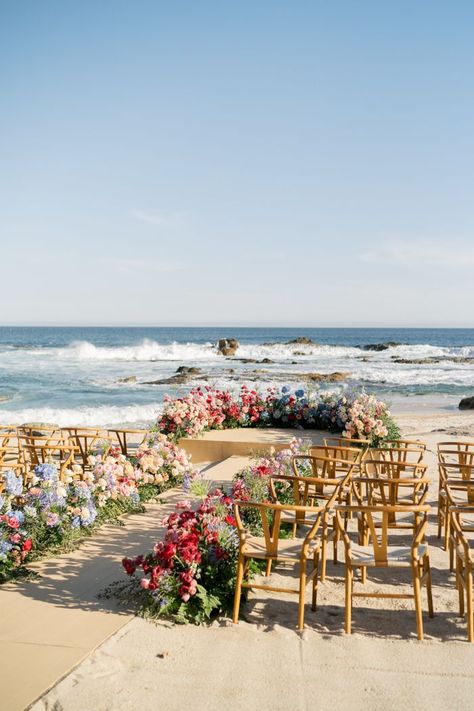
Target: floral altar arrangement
{"type": "Point", "coordinates": [358, 415]}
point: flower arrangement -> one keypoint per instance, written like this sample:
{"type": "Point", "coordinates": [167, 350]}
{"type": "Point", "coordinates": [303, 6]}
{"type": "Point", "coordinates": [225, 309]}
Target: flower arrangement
{"type": "Point", "coordinates": [190, 574]}
{"type": "Point", "coordinates": [358, 415]}
{"type": "Point", "coordinates": [54, 512]}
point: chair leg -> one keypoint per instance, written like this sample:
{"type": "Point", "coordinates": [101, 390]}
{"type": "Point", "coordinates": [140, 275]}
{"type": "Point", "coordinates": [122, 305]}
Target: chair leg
{"type": "Point", "coordinates": [323, 551]}
{"type": "Point", "coordinates": [429, 591]}
{"type": "Point", "coordinates": [349, 585]}
{"type": "Point", "coordinates": [440, 519]}
{"type": "Point", "coordinates": [447, 528]}
{"type": "Point", "coordinates": [268, 568]}
{"type": "Point", "coordinates": [301, 598]}
{"type": "Point", "coordinates": [417, 591]}
{"type": "Point", "coordinates": [238, 588]}
{"type": "Point", "coordinates": [459, 573]}
{"type": "Point", "coordinates": [470, 619]}
{"type": "Point", "coordinates": [315, 581]}
{"type": "Point", "coordinates": [451, 555]}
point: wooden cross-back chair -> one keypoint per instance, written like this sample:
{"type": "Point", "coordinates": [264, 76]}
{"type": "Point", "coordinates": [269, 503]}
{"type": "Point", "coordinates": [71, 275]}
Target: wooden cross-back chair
{"type": "Point", "coordinates": [86, 440]}
{"type": "Point", "coordinates": [123, 438]}
{"type": "Point", "coordinates": [464, 566]}
{"type": "Point", "coordinates": [313, 491]}
{"type": "Point", "coordinates": [377, 552]}
{"type": "Point", "coordinates": [333, 484]}
{"type": "Point", "coordinates": [458, 495]}
{"type": "Point", "coordinates": [62, 455]}
{"type": "Point", "coordinates": [270, 547]}
{"type": "Point", "coordinates": [456, 487]}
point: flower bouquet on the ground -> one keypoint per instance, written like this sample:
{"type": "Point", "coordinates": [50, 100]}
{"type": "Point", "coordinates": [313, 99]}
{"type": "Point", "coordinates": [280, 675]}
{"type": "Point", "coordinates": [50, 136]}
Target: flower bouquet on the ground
{"type": "Point", "coordinates": [190, 574]}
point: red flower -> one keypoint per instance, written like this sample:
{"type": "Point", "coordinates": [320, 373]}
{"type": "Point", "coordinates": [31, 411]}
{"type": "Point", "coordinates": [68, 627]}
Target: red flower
{"type": "Point", "coordinates": [27, 545]}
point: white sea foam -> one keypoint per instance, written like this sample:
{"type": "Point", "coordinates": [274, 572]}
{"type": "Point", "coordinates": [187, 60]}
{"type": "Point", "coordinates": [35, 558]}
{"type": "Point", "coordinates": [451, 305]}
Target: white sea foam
{"type": "Point", "coordinates": [101, 416]}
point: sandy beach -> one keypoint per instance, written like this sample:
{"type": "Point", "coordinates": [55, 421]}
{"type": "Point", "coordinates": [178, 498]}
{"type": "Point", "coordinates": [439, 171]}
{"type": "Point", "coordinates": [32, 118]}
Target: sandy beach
{"type": "Point", "coordinates": [264, 663]}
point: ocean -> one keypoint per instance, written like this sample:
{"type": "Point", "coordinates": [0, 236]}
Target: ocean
{"type": "Point", "coordinates": [72, 375]}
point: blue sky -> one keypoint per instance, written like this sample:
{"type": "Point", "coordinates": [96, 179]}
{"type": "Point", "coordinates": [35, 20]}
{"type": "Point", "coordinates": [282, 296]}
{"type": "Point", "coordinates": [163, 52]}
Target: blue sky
{"type": "Point", "coordinates": [277, 163]}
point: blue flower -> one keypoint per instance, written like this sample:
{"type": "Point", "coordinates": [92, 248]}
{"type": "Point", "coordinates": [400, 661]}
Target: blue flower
{"type": "Point", "coordinates": [13, 483]}
{"type": "Point", "coordinates": [299, 393]}
{"type": "Point", "coordinates": [285, 389]}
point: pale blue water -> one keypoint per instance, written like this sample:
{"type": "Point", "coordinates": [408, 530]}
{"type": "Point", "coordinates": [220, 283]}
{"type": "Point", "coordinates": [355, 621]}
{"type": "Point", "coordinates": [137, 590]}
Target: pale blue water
{"type": "Point", "coordinates": [70, 375]}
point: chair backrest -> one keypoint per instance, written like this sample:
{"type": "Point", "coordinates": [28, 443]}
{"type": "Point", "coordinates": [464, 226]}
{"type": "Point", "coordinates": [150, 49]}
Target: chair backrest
{"type": "Point", "coordinates": [60, 454]}
{"type": "Point", "coordinates": [460, 491]}
{"type": "Point", "coordinates": [376, 521]}
{"type": "Point", "coordinates": [397, 454]}
{"type": "Point", "coordinates": [379, 491]}
{"type": "Point", "coordinates": [408, 443]}
{"type": "Point", "coordinates": [333, 451]}
{"type": "Point", "coordinates": [270, 515]}
{"type": "Point", "coordinates": [393, 469]}
{"type": "Point", "coordinates": [456, 452]}
{"type": "Point", "coordinates": [346, 442]}
{"type": "Point", "coordinates": [460, 539]}
{"type": "Point", "coordinates": [85, 439]}
{"type": "Point", "coordinates": [123, 438]}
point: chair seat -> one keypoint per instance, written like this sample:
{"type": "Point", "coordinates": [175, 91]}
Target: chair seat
{"type": "Point", "coordinates": [364, 555]}
{"type": "Point", "coordinates": [288, 549]}
{"type": "Point", "coordinates": [460, 552]}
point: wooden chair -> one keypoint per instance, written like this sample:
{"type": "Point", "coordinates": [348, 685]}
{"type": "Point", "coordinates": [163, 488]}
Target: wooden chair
{"type": "Point", "coordinates": [309, 491]}
{"type": "Point", "coordinates": [270, 547]}
{"type": "Point", "coordinates": [464, 567]}
{"type": "Point", "coordinates": [456, 487]}
{"type": "Point", "coordinates": [128, 448]}
{"type": "Point", "coordinates": [85, 440]}
{"type": "Point", "coordinates": [337, 476]}
{"type": "Point", "coordinates": [9, 447]}
{"type": "Point", "coordinates": [377, 553]}
{"type": "Point", "coordinates": [60, 454]}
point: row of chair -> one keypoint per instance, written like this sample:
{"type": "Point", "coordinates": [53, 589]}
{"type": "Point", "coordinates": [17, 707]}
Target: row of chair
{"type": "Point", "coordinates": [456, 518]}
{"type": "Point", "coordinates": [384, 489]}
{"type": "Point", "coordinates": [23, 448]}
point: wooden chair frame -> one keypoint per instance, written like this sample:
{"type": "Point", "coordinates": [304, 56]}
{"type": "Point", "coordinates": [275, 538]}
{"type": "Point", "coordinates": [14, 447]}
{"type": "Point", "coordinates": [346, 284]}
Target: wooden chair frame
{"type": "Point", "coordinates": [464, 567]}
{"type": "Point", "coordinates": [453, 477]}
{"type": "Point", "coordinates": [121, 437]}
{"type": "Point", "coordinates": [379, 557]}
{"type": "Point", "coordinates": [270, 546]}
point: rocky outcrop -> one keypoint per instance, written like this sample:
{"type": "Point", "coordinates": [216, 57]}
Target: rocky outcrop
{"type": "Point", "coordinates": [300, 341]}
{"type": "Point", "coordinates": [324, 377]}
{"type": "Point", "coordinates": [183, 375]}
{"type": "Point", "coordinates": [467, 403]}
{"type": "Point", "coordinates": [380, 346]}
{"type": "Point", "coordinates": [227, 346]}
{"type": "Point", "coordinates": [128, 379]}
{"type": "Point", "coordinates": [433, 359]}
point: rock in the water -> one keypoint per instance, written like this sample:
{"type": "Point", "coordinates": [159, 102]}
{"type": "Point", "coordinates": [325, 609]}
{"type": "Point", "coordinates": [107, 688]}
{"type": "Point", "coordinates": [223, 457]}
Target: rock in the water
{"type": "Point", "coordinates": [380, 346]}
{"type": "Point", "coordinates": [467, 403]}
{"type": "Point", "coordinates": [227, 346]}
{"type": "Point", "coordinates": [266, 360]}
{"type": "Point", "coordinates": [185, 370]}
{"type": "Point", "coordinates": [128, 379]}
{"type": "Point", "coordinates": [325, 377]}
{"type": "Point", "coordinates": [301, 341]}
